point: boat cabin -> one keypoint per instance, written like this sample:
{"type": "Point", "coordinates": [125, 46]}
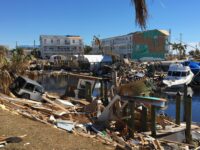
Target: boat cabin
{"type": "Point", "coordinates": [178, 70]}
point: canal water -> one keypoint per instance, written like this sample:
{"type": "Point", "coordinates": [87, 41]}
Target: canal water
{"type": "Point", "coordinates": [57, 84]}
{"type": "Point", "coordinates": [171, 109]}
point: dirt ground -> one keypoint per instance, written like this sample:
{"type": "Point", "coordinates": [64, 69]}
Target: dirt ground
{"type": "Point", "coordinates": [41, 136]}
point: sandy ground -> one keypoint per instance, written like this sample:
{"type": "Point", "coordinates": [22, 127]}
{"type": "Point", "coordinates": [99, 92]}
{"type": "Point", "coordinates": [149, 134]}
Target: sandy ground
{"type": "Point", "coordinates": [41, 136]}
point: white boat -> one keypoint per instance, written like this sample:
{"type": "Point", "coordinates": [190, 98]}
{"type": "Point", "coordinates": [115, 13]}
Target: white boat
{"type": "Point", "coordinates": [178, 75]}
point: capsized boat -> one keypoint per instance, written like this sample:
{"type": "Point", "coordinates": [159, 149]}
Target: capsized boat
{"type": "Point", "coordinates": [178, 75]}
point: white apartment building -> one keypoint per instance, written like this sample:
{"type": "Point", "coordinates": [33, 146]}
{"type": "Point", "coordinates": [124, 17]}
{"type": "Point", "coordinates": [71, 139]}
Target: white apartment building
{"type": "Point", "coordinates": [118, 45]}
{"type": "Point", "coordinates": [61, 45]}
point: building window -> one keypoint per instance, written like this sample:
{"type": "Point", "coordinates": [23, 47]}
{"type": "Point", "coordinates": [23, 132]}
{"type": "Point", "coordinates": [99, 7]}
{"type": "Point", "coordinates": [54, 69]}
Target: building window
{"type": "Point", "coordinates": [73, 41]}
{"type": "Point", "coordinates": [51, 41]}
{"type": "Point", "coordinates": [66, 42]}
{"type": "Point", "coordinates": [58, 41]}
{"type": "Point", "coordinates": [45, 41]}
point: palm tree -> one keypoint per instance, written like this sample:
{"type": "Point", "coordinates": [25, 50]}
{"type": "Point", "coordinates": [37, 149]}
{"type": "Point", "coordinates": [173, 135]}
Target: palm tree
{"type": "Point", "coordinates": [179, 48]}
{"type": "Point", "coordinates": [98, 42]}
{"type": "Point", "coordinates": [141, 12]}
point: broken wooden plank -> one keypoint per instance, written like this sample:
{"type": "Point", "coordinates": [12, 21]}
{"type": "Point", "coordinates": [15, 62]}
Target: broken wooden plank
{"type": "Point", "coordinates": [53, 103]}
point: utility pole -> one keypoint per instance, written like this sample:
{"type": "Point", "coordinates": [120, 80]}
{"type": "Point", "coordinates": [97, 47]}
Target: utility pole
{"type": "Point", "coordinates": [181, 37]}
{"type": "Point", "coordinates": [34, 44]}
{"type": "Point", "coordinates": [16, 45]}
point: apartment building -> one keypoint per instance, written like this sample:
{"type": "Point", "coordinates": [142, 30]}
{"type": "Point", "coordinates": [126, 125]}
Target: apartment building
{"type": "Point", "coordinates": [118, 45]}
{"type": "Point", "coordinates": [137, 45]}
{"type": "Point", "coordinates": [61, 45]}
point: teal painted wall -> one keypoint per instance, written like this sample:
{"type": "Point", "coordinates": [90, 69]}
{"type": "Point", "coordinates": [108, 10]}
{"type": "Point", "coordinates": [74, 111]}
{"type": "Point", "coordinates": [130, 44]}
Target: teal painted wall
{"type": "Point", "coordinates": [142, 50]}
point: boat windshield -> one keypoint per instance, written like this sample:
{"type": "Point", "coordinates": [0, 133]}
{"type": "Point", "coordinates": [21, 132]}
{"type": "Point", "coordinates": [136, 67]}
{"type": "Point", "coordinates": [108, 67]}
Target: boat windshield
{"type": "Point", "coordinates": [169, 73]}
{"type": "Point", "coordinates": [184, 74]}
{"type": "Point", "coordinates": [176, 74]}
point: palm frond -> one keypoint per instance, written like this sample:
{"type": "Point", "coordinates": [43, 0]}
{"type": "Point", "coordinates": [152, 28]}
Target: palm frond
{"type": "Point", "coordinates": [141, 12]}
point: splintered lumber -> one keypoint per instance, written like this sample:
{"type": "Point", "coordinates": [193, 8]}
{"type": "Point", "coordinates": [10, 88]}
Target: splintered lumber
{"type": "Point", "coordinates": [19, 100]}
{"type": "Point", "coordinates": [159, 147]}
{"type": "Point", "coordinates": [81, 101]}
{"type": "Point", "coordinates": [53, 103]}
{"type": "Point", "coordinates": [33, 117]}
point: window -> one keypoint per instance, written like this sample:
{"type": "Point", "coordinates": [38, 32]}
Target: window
{"type": "Point", "coordinates": [73, 41]}
{"type": "Point", "coordinates": [67, 42]}
{"type": "Point", "coordinates": [169, 73]}
{"type": "Point", "coordinates": [51, 41]}
{"type": "Point", "coordinates": [29, 87]}
{"type": "Point", "coordinates": [58, 41]}
{"type": "Point", "coordinates": [45, 41]}
{"type": "Point", "coordinates": [176, 74]}
{"type": "Point", "coordinates": [183, 74]}
{"type": "Point", "coordinates": [38, 89]}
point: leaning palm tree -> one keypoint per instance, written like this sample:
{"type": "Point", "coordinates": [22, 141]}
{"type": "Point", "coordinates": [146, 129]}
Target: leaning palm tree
{"type": "Point", "coordinates": [141, 12]}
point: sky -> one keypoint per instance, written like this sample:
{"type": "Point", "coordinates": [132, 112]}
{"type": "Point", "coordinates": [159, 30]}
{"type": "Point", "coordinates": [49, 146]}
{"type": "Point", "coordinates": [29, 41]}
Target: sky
{"type": "Point", "coordinates": [25, 20]}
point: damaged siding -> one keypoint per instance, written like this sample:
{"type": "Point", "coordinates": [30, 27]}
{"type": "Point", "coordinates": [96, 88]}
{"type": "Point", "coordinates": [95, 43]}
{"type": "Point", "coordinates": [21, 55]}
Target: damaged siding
{"type": "Point", "coordinates": [152, 43]}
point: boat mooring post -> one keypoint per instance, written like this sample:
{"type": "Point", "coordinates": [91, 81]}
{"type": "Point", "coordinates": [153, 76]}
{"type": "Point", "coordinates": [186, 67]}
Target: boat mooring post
{"type": "Point", "coordinates": [188, 135]}
{"type": "Point", "coordinates": [178, 108]}
{"type": "Point", "coordinates": [184, 102]}
{"type": "Point", "coordinates": [102, 92]}
{"type": "Point", "coordinates": [153, 120]}
{"type": "Point", "coordinates": [106, 92]}
{"type": "Point", "coordinates": [132, 118]}
{"type": "Point", "coordinates": [88, 91]}
{"type": "Point", "coordinates": [144, 119]}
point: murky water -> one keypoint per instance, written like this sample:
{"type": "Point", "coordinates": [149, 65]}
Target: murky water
{"type": "Point", "coordinates": [58, 85]}
{"type": "Point", "coordinates": [171, 110]}
{"type": "Point", "coordinates": [53, 84]}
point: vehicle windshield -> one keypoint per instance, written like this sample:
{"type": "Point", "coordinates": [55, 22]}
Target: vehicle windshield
{"type": "Point", "coordinates": [184, 74]}
{"type": "Point", "coordinates": [169, 73]}
{"type": "Point", "coordinates": [176, 74]}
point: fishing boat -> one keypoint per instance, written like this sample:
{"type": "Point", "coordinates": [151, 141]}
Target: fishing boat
{"type": "Point", "coordinates": [178, 75]}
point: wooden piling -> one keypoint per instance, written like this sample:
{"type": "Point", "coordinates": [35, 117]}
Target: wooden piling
{"type": "Point", "coordinates": [178, 108]}
{"type": "Point", "coordinates": [188, 135]}
{"type": "Point", "coordinates": [144, 119]}
{"type": "Point", "coordinates": [184, 102]}
{"type": "Point", "coordinates": [88, 91]}
{"type": "Point", "coordinates": [102, 92]}
{"type": "Point", "coordinates": [106, 92]}
{"type": "Point", "coordinates": [132, 119]}
{"type": "Point", "coordinates": [153, 120]}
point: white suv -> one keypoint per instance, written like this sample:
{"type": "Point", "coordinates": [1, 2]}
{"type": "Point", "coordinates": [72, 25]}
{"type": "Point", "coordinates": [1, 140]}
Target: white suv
{"type": "Point", "coordinates": [27, 88]}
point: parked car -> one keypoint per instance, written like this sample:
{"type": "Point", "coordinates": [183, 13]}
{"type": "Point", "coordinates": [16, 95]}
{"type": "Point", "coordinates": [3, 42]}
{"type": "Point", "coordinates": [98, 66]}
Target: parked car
{"type": "Point", "coordinates": [27, 88]}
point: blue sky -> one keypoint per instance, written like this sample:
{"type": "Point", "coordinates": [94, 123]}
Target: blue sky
{"type": "Point", "coordinates": [25, 20]}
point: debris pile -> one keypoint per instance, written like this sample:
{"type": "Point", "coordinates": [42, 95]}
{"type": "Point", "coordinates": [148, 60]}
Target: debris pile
{"type": "Point", "coordinates": [86, 119]}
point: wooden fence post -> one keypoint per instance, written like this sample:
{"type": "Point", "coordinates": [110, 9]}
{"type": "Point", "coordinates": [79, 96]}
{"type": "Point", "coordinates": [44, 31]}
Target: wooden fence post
{"type": "Point", "coordinates": [178, 108]}
{"type": "Point", "coordinates": [188, 119]}
{"type": "Point", "coordinates": [153, 120]}
{"type": "Point", "coordinates": [184, 102]}
{"type": "Point", "coordinates": [144, 119]}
